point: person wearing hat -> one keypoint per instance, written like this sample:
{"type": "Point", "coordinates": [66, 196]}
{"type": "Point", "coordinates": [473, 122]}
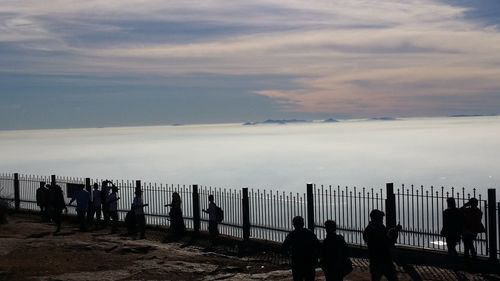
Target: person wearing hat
{"type": "Point", "coordinates": [303, 245]}
{"type": "Point", "coordinates": [380, 241]}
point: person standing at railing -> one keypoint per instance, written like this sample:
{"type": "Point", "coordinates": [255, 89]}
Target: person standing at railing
{"type": "Point", "coordinates": [213, 220]}
{"type": "Point", "coordinates": [471, 227]}
{"type": "Point", "coordinates": [452, 228]}
{"type": "Point", "coordinates": [138, 207]}
{"type": "Point", "coordinates": [177, 226]}
{"type": "Point", "coordinates": [303, 245]}
{"type": "Point", "coordinates": [104, 199]}
{"type": "Point", "coordinates": [96, 203]}
{"type": "Point", "coordinates": [380, 241]}
{"type": "Point", "coordinates": [334, 256]}
{"type": "Point", "coordinates": [42, 198]}
{"type": "Point", "coordinates": [112, 204]}
{"type": "Point", "coordinates": [56, 205]}
{"type": "Point", "coordinates": [81, 197]}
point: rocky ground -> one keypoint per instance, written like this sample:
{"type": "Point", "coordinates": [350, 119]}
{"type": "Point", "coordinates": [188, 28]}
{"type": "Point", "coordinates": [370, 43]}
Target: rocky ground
{"type": "Point", "coordinates": [30, 251]}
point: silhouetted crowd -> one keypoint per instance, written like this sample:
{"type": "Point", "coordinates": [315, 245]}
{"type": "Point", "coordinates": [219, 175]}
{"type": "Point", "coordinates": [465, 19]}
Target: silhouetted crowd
{"type": "Point", "coordinates": [103, 202]}
{"type": "Point", "coordinates": [302, 245]}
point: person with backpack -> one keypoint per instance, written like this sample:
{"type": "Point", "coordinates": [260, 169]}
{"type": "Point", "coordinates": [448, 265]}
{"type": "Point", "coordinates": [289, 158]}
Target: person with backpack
{"type": "Point", "coordinates": [334, 254]}
{"type": "Point", "coordinates": [214, 217]}
{"type": "Point", "coordinates": [472, 225]}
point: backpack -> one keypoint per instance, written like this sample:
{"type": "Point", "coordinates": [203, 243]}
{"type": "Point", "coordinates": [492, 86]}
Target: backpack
{"type": "Point", "coordinates": [219, 214]}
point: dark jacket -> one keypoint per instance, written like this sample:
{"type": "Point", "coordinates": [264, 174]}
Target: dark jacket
{"type": "Point", "coordinates": [334, 253]}
{"type": "Point", "coordinates": [379, 243]}
{"type": "Point", "coordinates": [452, 223]}
{"type": "Point", "coordinates": [56, 198]}
{"type": "Point", "coordinates": [303, 245]}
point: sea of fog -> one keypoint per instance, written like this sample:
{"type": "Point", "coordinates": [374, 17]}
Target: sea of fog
{"type": "Point", "coordinates": [460, 152]}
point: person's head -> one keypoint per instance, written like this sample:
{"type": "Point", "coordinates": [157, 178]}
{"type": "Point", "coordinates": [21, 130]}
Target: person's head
{"type": "Point", "coordinates": [451, 203]}
{"type": "Point", "coordinates": [96, 186]}
{"type": "Point", "coordinates": [114, 188]}
{"type": "Point", "coordinates": [473, 202]}
{"type": "Point", "coordinates": [138, 192]}
{"type": "Point", "coordinates": [176, 198]}
{"type": "Point", "coordinates": [330, 226]}
{"type": "Point", "coordinates": [210, 198]}
{"type": "Point", "coordinates": [81, 187]}
{"type": "Point", "coordinates": [377, 216]}
{"type": "Point", "coordinates": [298, 222]}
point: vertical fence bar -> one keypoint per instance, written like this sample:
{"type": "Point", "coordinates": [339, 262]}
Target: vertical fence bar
{"type": "Point", "coordinates": [390, 206]}
{"type": "Point", "coordinates": [196, 209]}
{"type": "Point", "coordinates": [310, 207]}
{"type": "Point", "coordinates": [17, 196]}
{"type": "Point", "coordinates": [492, 224]}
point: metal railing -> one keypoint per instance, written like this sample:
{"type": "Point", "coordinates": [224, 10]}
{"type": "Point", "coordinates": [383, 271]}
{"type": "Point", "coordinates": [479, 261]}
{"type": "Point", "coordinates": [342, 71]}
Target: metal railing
{"type": "Point", "coordinates": [267, 215]}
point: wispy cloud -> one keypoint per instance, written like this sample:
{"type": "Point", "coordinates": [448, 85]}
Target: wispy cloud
{"type": "Point", "coordinates": [348, 57]}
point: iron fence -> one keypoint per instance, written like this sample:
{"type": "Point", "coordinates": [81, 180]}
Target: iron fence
{"type": "Point", "coordinates": [267, 215]}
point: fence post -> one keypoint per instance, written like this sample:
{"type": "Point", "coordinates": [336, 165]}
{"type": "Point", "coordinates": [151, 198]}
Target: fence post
{"type": "Point", "coordinates": [492, 224]}
{"type": "Point", "coordinates": [498, 208]}
{"type": "Point", "coordinates": [138, 186]}
{"type": "Point", "coordinates": [53, 180]}
{"type": "Point", "coordinates": [390, 206]}
{"type": "Point", "coordinates": [246, 215]}
{"type": "Point", "coordinates": [310, 207]}
{"type": "Point", "coordinates": [196, 209]}
{"type": "Point", "coordinates": [17, 195]}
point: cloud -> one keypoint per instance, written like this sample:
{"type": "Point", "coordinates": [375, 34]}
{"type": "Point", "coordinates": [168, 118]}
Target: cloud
{"type": "Point", "coordinates": [349, 57]}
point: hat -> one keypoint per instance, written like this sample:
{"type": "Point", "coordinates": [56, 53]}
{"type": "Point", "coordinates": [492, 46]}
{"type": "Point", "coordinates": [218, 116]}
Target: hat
{"type": "Point", "coordinates": [376, 214]}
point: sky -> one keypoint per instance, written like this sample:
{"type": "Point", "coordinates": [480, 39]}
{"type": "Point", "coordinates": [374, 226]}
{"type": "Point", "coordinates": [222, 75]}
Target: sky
{"type": "Point", "coordinates": [94, 63]}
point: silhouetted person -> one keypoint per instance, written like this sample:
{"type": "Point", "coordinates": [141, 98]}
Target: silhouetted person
{"type": "Point", "coordinates": [81, 197]}
{"type": "Point", "coordinates": [42, 200]}
{"type": "Point", "coordinates": [177, 226]}
{"type": "Point", "coordinates": [213, 223]}
{"type": "Point", "coordinates": [96, 204]}
{"type": "Point", "coordinates": [90, 208]}
{"type": "Point", "coordinates": [452, 227]}
{"type": "Point", "coordinates": [472, 225]}
{"type": "Point", "coordinates": [56, 205]}
{"type": "Point", "coordinates": [138, 207]}
{"type": "Point", "coordinates": [112, 204]}
{"type": "Point", "coordinates": [105, 191]}
{"type": "Point", "coordinates": [303, 245]}
{"type": "Point", "coordinates": [380, 241]}
{"type": "Point", "coordinates": [334, 256]}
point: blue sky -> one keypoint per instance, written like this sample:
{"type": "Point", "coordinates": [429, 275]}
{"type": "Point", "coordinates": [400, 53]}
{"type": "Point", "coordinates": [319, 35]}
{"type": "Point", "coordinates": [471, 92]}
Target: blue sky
{"type": "Point", "coordinates": [118, 63]}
